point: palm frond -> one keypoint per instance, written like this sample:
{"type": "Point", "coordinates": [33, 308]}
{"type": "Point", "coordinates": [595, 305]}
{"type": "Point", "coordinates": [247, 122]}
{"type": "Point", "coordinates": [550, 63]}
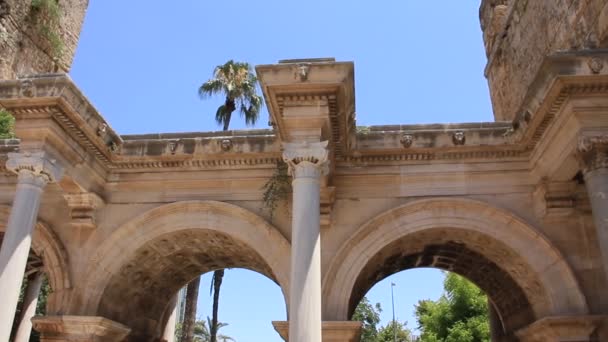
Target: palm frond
{"type": "Point", "coordinates": [238, 83]}
{"type": "Point", "coordinates": [211, 87]}
{"type": "Point", "coordinates": [221, 115]}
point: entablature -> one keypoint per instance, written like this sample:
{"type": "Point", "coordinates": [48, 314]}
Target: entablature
{"type": "Point", "coordinates": [82, 136]}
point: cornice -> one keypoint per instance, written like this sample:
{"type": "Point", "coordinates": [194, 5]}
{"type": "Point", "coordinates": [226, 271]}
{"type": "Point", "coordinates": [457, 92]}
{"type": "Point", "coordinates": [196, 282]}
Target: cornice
{"type": "Point", "coordinates": [57, 98]}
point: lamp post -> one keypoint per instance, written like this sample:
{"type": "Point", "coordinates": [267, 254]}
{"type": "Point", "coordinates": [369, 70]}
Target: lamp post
{"type": "Point", "coordinates": [394, 323]}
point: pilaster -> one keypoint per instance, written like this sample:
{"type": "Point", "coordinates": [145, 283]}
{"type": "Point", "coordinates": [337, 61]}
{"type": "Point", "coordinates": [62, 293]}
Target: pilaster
{"type": "Point", "coordinates": [79, 329]}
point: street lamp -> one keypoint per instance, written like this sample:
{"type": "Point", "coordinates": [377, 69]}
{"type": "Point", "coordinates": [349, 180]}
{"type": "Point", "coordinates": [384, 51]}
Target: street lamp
{"type": "Point", "coordinates": [394, 323]}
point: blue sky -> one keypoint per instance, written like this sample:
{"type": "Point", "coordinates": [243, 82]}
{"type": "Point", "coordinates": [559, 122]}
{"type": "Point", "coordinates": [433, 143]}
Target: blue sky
{"type": "Point", "coordinates": [141, 62]}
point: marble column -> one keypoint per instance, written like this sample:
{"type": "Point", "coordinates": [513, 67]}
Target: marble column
{"type": "Point", "coordinates": [307, 164]}
{"type": "Point", "coordinates": [593, 151]}
{"type": "Point", "coordinates": [34, 171]}
{"type": "Point", "coordinates": [169, 331]}
{"type": "Point", "coordinates": [30, 300]}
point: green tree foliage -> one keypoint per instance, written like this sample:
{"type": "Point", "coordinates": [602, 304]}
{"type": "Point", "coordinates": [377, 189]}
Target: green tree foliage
{"type": "Point", "coordinates": [7, 125]}
{"type": "Point", "coordinates": [237, 82]}
{"type": "Point", "coordinates": [387, 333]}
{"type": "Point", "coordinates": [369, 316]}
{"type": "Point", "coordinates": [202, 333]}
{"type": "Point", "coordinates": [277, 188]}
{"type": "Point", "coordinates": [460, 315]}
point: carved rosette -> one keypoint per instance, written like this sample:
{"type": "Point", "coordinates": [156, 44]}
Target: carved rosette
{"type": "Point", "coordinates": [593, 152]}
{"type": "Point", "coordinates": [35, 168]}
{"type": "Point", "coordinates": [306, 159]}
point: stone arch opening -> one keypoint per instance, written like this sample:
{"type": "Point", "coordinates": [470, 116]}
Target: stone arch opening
{"type": "Point", "coordinates": [524, 276]}
{"type": "Point", "coordinates": [48, 248]}
{"type": "Point", "coordinates": [445, 249]}
{"type": "Point", "coordinates": [134, 280]}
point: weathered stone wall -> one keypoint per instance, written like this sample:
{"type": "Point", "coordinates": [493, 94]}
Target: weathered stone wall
{"type": "Point", "coordinates": [519, 34]}
{"type": "Point", "coordinates": [25, 50]}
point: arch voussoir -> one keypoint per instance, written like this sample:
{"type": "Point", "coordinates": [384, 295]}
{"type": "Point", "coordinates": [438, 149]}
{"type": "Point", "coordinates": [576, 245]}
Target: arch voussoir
{"type": "Point", "coordinates": [510, 245]}
{"type": "Point", "coordinates": [171, 243]}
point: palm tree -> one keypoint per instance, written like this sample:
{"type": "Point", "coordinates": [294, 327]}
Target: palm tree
{"type": "Point", "coordinates": [190, 311]}
{"type": "Point", "coordinates": [237, 83]}
{"type": "Point", "coordinates": [216, 282]}
{"type": "Point", "coordinates": [202, 334]}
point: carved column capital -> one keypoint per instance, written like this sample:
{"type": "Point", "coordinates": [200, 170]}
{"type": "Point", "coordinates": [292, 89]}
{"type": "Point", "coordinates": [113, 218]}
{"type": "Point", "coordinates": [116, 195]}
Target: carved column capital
{"type": "Point", "coordinates": [35, 168]}
{"type": "Point", "coordinates": [306, 159]}
{"type": "Point", "coordinates": [593, 152]}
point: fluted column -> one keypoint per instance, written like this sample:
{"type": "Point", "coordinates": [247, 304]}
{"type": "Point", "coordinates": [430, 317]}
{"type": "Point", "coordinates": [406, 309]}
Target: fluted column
{"type": "Point", "coordinates": [593, 152]}
{"type": "Point", "coordinates": [34, 171]}
{"type": "Point", "coordinates": [307, 163]}
{"type": "Point", "coordinates": [30, 301]}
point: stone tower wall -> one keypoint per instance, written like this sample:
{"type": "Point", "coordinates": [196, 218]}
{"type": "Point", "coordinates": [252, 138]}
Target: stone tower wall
{"type": "Point", "coordinates": [519, 34]}
{"type": "Point", "coordinates": [25, 50]}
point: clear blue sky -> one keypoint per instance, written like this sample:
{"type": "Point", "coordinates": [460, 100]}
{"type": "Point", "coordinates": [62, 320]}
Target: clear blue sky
{"type": "Point", "coordinates": [141, 62]}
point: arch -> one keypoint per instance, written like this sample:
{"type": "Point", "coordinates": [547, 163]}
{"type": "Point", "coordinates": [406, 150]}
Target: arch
{"type": "Point", "coordinates": [47, 245]}
{"type": "Point", "coordinates": [464, 229]}
{"type": "Point", "coordinates": [156, 253]}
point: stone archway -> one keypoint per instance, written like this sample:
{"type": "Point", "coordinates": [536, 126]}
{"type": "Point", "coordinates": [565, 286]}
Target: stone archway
{"type": "Point", "coordinates": [136, 271]}
{"type": "Point", "coordinates": [47, 245]}
{"type": "Point", "coordinates": [525, 277]}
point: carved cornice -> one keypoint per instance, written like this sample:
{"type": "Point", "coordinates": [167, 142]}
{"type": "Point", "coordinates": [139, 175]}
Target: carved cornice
{"type": "Point", "coordinates": [56, 97]}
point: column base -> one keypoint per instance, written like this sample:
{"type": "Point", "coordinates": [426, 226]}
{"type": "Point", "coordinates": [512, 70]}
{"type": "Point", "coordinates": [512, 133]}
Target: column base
{"type": "Point", "coordinates": [561, 329]}
{"type": "Point", "coordinates": [79, 329]}
{"type": "Point", "coordinates": [333, 331]}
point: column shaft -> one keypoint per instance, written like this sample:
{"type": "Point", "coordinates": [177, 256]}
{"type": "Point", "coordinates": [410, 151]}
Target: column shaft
{"type": "Point", "coordinates": [597, 188]}
{"type": "Point", "coordinates": [30, 300]}
{"type": "Point", "coordinates": [16, 246]}
{"type": "Point", "coordinates": [307, 163]}
{"type": "Point", "coordinates": [169, 332]}
{"type": "Point", "coordinates": [305, 302]}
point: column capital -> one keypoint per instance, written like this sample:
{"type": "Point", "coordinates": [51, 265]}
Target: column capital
{"type": "Point", "coordinates": [34, 167]}
{"type": "Point", "coordinates": [306, 159]}
{"type": "Point", "coordinates": [593, 152]}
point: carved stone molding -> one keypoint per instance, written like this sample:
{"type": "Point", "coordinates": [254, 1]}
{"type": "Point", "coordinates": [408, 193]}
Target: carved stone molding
{"type": "Point", "coordinates": [593, 152]}
{"type": "Point", "coordinates": [556, 199]}
{"type": "Point", "coordinates": [83, 207]}
{"type": "Point", "coordinates": [79, 328]}
{"type": "Point", "coordinates": [562, 328]}
{"type": "Point", "coordinates": [407, 140]}
{"type": "Point", "coordinates": [34, 167]}
{"type": "Point", "coordinates": [306, 159]}
{"type": "Point", "coordinates": [328, 197]}
{"type": "Point", "coordinates": [459, 138]}
{"type": "Point", "coordinates": [332, 331]}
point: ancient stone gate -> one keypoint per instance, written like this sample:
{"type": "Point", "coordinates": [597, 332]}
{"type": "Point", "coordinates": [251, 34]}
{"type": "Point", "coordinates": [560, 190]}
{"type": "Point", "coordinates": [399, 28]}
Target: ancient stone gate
{"type": "Point", "coordinates": [518, 206]}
